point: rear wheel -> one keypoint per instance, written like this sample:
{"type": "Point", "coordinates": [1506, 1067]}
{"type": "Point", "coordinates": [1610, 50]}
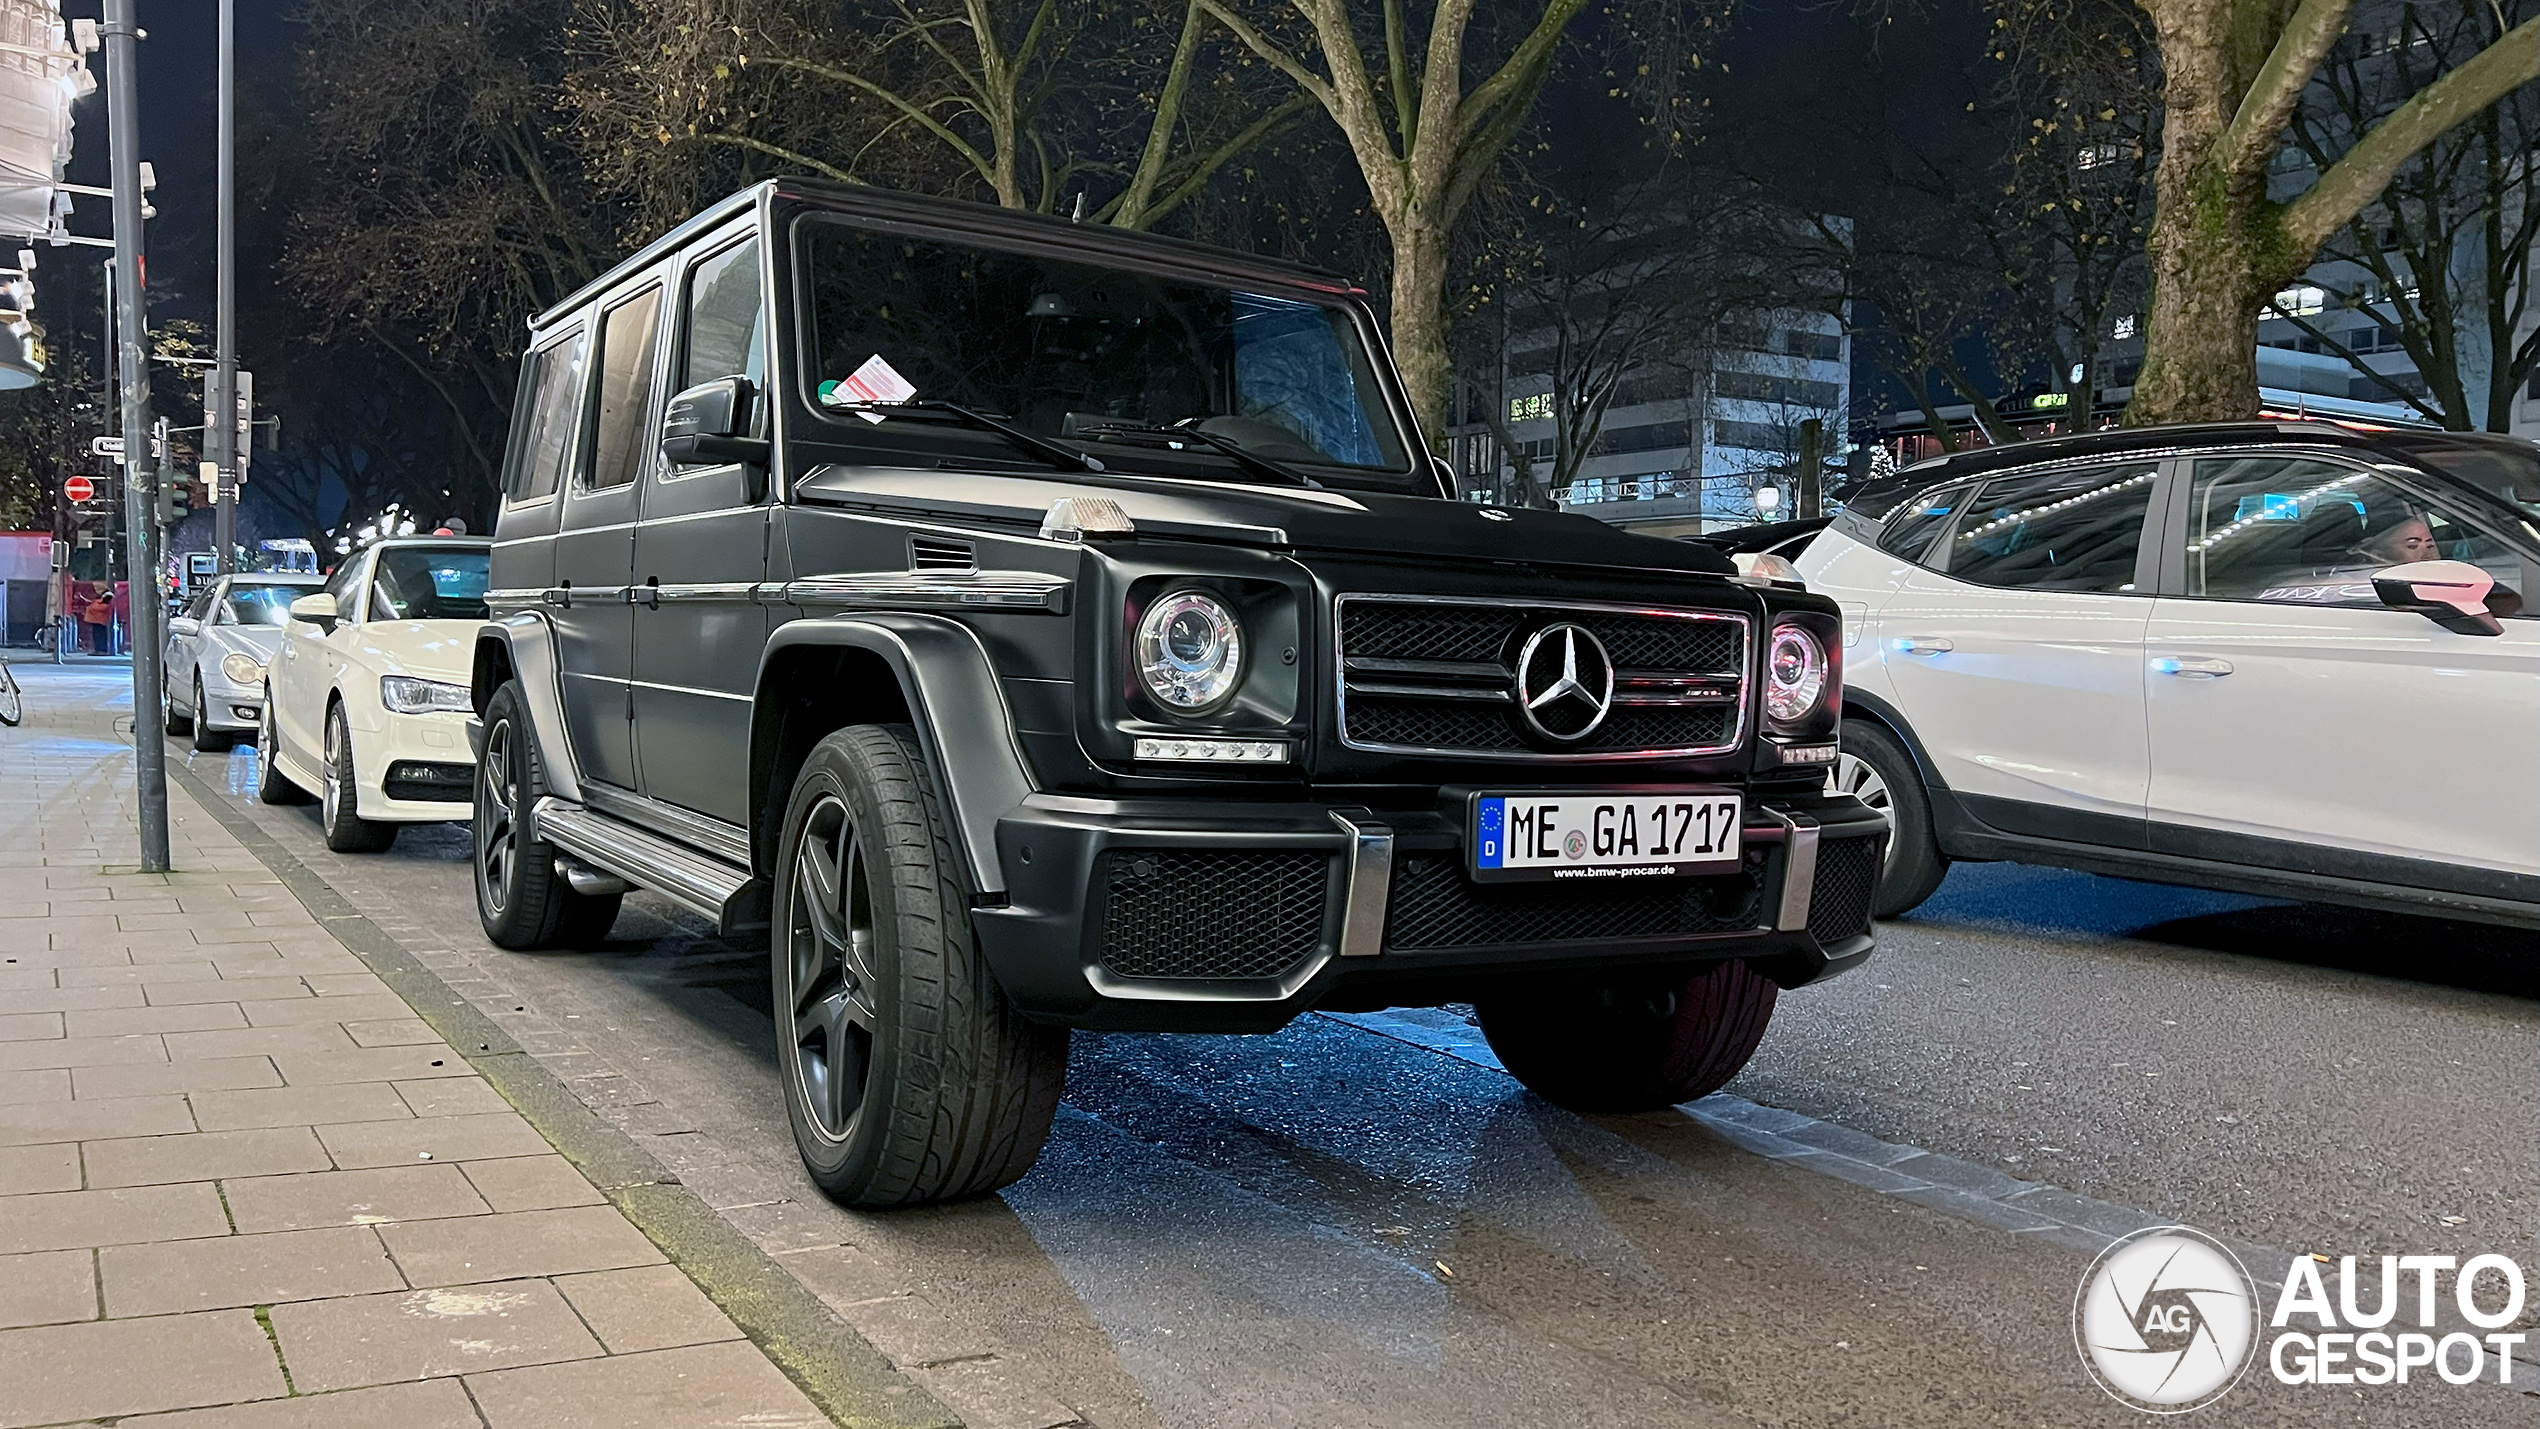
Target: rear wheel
{"type": "Point", "coordinates": [339, 805]}
{"type": "Point", "coordinates": [207, 740]}
{"type": "Point", "coordinates": [908, 1076]}
{"type": "Point", "coordinates": [521, 898]}
{"type": "Point", "coordinates": [1875, 768]}
{"type": "Point", "coordinates": [1625, 1043]}
{"type": "Point", "coordinates": [169, 719]}
{"type": "Point", "coordinates": [272, 785]}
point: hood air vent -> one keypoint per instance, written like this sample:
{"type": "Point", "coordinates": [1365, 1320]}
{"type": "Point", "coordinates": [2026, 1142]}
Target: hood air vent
{"type": "Point", "coordinates": [937, 553]}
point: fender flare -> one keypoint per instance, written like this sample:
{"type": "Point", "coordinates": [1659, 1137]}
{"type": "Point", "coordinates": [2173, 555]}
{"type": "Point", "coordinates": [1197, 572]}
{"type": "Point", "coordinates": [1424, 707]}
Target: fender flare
{"type": "Point", "coordinates": [957, 705]}
{"type": "Point", "coordinates": [529, 645]}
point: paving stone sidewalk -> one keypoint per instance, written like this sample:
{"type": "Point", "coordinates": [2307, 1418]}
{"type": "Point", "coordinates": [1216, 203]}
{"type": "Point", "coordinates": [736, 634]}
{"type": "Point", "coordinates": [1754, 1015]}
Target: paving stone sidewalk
{"type": "Point", "coordinates": [243, 1186]}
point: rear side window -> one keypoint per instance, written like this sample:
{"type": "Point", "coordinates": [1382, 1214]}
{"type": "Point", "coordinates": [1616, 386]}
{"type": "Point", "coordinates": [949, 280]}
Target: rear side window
{"type": "Point", "coordinates": [550, 387]}
{"type": "Point", "coordinates": [727, 323]}
{"type": "Point", "coordinates": [626, 389]}
{"type": "Point", "coordinates": [2058, 530]}
{"type": "Point", "coordinates": [1909, 533]}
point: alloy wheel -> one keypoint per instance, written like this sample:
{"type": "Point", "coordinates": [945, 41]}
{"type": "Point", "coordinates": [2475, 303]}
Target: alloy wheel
{"type": "Point", "coordinates": [1853, 775]}
{"type": "Point", "coordinates": [330, 791]}
{"type": "Point", "coordinates": [829, 968]}
{"type": "Point", "coordinates": [495, 828]}
{"type": "Point", "coordinates": [264, 738]}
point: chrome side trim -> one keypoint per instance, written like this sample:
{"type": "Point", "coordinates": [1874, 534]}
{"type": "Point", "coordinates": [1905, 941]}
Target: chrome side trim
{"type": "Point", "coordinates": [715, 590]}
{"type": "Point", "coordinates": [725, 841]}
{"type": "Point", "coordinates": [1736, 684]}
{"type": "Point", "coordinates": [957, 590]}
{"type": "Point", "coordinates": [682, 875]}
{"type": "Point", "coordinates": [1799, 870]}
{"type": "Point", "coordinates": [1370, 885]}
{"type": "Point", "coordinates": [524, 595]}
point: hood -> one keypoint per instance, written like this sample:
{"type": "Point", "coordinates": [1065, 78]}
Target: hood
{"type": "Point", "coordinates": [1239, 513]}
{"type": "Point", "coordinates": [258, 642]}
{"type": "Point", "coordinates": [425, 649]}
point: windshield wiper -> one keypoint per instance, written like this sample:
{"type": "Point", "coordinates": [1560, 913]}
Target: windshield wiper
{"type": "Point", "coordinates": [1242, 455]}
{"type": "Point", "coordinates": [1041, 447]}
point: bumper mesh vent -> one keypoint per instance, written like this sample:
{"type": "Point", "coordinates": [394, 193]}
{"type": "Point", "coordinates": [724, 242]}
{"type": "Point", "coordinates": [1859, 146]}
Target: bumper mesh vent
{"type": "Point", "coordinates": [1847, 876]}
{"type": "Point", "coordinates": [1212, 913]}
{"type": "Point", "coordinates": [1436, 907]}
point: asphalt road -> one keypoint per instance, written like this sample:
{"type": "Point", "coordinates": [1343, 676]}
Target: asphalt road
{"type": "Point", "coordinates": [1331, 1227]}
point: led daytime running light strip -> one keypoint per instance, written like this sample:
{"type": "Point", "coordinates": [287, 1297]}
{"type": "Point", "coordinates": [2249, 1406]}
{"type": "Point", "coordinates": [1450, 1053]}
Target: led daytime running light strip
{"type": "Point", "coordinates": [1215, 751]}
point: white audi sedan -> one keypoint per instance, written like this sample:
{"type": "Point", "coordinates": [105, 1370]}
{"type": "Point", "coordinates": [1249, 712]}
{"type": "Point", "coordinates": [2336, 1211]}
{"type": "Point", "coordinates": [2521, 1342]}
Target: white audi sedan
{"type": "Point", "coordinates": [367, 702]}
{"type": "Point", "coordinates": [2290, 659]}
{"type": "Point", "coordinates": [217, 654]}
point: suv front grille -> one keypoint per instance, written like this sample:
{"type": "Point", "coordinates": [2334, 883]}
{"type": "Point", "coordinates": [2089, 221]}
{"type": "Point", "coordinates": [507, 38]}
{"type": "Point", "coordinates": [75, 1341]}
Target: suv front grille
{"type": "Point", "coordinates": [1436, 907]}
{"type": "Point", "coordinates": [1436, 675]}
{"type": "Point", "coordinates": [1212, 913]}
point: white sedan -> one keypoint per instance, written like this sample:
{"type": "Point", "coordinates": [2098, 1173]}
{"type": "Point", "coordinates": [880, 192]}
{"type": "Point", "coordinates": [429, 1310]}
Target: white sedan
{"type": "Point", "coordinates": [367, 703]}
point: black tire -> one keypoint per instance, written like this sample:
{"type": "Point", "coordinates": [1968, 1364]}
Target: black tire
{"type": "Point", "coordinates": [908, 1076]}
{"type": "Point", "coordinates": [1625, 1043]}
{"type": "Point", "coordinates": [523, 902]}
{"type": "Point", "coordinates": [339, 795]}
{"type": "Point", "coordinates": [272, 785]}
{"type": "Point", "coordinates": [169, 719]}
{"type": "Point", "coordinates": [207, 740]}
{"type": "Point", "coordinates": [1878, 768]}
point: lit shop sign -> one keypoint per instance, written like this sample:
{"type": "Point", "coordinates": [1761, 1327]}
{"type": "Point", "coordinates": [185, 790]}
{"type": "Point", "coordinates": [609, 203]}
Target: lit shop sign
{"type": "Point", "coordinates": [1526, 409]}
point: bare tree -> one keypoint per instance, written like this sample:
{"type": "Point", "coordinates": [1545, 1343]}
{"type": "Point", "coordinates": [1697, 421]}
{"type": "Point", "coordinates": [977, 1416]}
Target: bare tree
{"type": "Point", "coordinates": [2234, 72]}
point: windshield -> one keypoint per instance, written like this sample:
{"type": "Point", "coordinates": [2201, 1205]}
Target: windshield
{"type": "Point", "coordinates": [264, 604]}
{"type": "Point", "coordinates": [2504, 467]}
{"type": "Point", "coordinates": [429, 583]}
{"type": "Point", "coordinates": [1067, 350]}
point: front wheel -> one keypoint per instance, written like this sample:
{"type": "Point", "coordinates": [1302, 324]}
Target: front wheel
{"type": "Point", "coordinates": [339, 803]}
{"type": "Point", "coordinates": [908, 1076]}
{"type": "Point", "coordinates": [1624, 1043]}
{"type": "Point", "coordinates": [207, 740]}
{"type": "Point", "coordinates": [1876, 769]}
{"type": "Point", "coordinates": [169, 719]}
{"type": "Point", "coordinates": [12, 701]}
{"type": "Point", "coordinates": [524, 903]}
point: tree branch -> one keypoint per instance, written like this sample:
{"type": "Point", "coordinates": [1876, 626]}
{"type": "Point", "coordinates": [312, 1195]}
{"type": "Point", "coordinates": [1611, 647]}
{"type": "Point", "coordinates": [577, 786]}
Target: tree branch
{"type": "Point", "coordinates": [2367, 169]}
{"type": "Point", "coordinates": [2249, 143]}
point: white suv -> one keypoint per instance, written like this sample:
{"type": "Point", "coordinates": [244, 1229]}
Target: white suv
{"type": "Point", "coordinates": [2187, 654]}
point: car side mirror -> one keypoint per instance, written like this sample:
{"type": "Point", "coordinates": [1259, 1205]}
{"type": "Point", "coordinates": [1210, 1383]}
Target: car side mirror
{"type": "Point", "coordinates": [708, 425]}
{"type": "Point", "coordinates": [318, 610]}
{"type": "Point", "coordinates": [2452, 594]}
{"type": "Point", "coordinates": [185, 625]}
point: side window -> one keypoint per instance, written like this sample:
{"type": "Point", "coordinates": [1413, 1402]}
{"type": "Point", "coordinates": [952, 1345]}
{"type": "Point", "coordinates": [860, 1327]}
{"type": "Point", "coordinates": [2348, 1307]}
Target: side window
{"type": "Point", "coordinates": [345, 585]}
{"type": "Point", "coordinates": [553, 383]}
{"type": "Point", "coordinates": [626, 389]}
{"type": "Point", "coordinates": [2060, 530]}
{"type": "Point", "coordinates": [727, 321]}
{"type": "Point", "coordinates": [2300, 531]}
{"type": "Point", "coordinates": [202, 609]}
{"type": "Point", "coordinates": [1910, 531]}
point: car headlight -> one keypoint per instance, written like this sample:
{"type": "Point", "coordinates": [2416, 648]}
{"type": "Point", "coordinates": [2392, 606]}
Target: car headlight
{"type": "Point", "coordinates": [1794, 674]}
{"type": "Point", "coordinates": [241, 669]}
{"type": "Point", "coordinates": [404, 694]}
{"type": "Point", "coordinates": [1190, 651]}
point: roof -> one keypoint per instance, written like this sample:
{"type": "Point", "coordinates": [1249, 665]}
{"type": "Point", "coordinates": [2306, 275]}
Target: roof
{"type": "Point", "coordinates": [960, 216]}
{"type": "Point", "coordinates": [2117, 441]}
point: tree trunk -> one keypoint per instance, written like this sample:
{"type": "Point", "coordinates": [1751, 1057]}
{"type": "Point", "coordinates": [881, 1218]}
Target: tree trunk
{"type": "Point", "coordinates": [2200, 361]}
{"type": "Point", "coordinates": [1419, 320]}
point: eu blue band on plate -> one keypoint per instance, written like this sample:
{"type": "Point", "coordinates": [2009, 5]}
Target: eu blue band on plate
{"type": "Point", "coordinates": [1487, 830]}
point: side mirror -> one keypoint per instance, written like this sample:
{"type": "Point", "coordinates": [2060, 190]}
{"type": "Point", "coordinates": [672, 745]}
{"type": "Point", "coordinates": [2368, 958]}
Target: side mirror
{"type": "Point", "coordinates": [318, 610]}
{"type": "Point", "coordinates": [185, 625]}
{"type": "Point", "coordinates": [2452, 594]}
{"type": "Point", "coordinates": [707, 425]}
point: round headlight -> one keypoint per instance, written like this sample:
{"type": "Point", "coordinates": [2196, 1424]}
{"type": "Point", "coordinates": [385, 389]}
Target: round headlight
{"type": "Point", "coordinates": [1794, 675]}
{"type": "Point", "coordinates": [1190, 651]}
{"type": "Point", "coordinates": [241, 669]}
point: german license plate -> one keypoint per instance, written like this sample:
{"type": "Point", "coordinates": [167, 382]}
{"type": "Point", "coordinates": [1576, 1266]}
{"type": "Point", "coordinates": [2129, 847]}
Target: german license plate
{"type": "Point", "coordinates": [1603, 836]}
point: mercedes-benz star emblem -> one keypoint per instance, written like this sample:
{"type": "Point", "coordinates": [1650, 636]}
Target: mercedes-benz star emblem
{"type": "Point", "coordinates": [1565, 683]}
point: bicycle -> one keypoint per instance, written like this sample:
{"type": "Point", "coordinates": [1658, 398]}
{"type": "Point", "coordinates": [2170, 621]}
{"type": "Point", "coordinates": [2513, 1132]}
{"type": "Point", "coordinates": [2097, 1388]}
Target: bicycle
{"type": "Point", "coordinates": [12, 699]}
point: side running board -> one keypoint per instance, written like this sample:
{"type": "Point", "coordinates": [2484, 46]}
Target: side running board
{"type": "Point", "coordinates": [721, 891]}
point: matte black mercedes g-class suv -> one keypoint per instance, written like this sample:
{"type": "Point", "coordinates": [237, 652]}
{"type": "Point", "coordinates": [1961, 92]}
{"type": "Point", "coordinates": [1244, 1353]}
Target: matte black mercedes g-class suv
{"type": "Point", "coordinates": [1029, 626]}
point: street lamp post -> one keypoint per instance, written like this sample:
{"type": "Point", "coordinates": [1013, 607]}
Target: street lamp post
{"type": "Point", "coordinates": [221, 426]}
{"type": "Point", "coordinates": [141, 485]}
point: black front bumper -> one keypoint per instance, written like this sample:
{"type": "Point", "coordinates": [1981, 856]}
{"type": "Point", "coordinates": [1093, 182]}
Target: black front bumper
{"type": "Point", "coordinates": [1165, 915]}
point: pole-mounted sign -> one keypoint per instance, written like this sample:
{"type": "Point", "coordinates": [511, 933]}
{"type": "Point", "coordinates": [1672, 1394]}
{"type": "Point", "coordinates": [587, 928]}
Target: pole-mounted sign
{"type": "Point", "coordinates": [79, 488]}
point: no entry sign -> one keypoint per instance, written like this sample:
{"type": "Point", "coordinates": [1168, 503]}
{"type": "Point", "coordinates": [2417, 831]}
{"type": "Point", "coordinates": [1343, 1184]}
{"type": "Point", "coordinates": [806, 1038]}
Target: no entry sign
{"type": "Point", "coordinates": [79, 488]}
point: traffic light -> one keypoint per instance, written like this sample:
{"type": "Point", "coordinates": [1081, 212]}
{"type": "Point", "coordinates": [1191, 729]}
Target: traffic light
{"type": "Point", "coordinates": [175, 501]}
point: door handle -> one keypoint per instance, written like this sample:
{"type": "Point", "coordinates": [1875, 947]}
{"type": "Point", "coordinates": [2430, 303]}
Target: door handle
{"type": "Point", "coordinates": [560, 597]}
{"type": "Point", "coordinates": [647, 595]}
{"type": "Point", "coordinates": [1923, 645]}
{"type": "Point", "coordinates": [2191, 669]}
